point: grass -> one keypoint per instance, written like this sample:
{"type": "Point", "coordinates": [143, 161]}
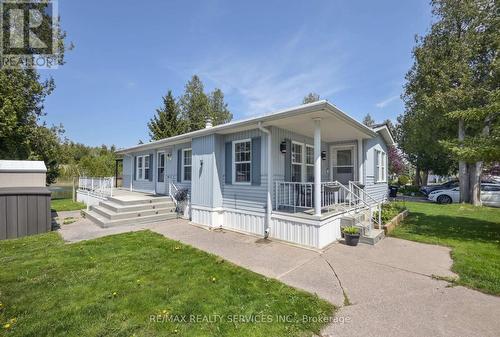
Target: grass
{"type": "Point", "coordinates": [66, 205]}
{"type": "Point", "coordinates": [473, 233]}
{"type": "Point", "coordinates": [142, 284]}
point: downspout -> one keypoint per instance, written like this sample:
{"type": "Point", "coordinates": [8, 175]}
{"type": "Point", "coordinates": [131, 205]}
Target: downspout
{"type": "Point", "coordinates": [269, 207]}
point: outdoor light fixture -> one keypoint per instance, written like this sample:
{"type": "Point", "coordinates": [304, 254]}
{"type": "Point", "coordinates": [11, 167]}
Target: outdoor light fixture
{"type": "Point", "coordinates": [323, 155]}
{"type": "Point", "coordinates": [283, 147]}
{"type": "Point", "coordinates": [169, 155]}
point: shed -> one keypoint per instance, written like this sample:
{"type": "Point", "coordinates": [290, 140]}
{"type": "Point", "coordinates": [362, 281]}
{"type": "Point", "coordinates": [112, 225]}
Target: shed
{"type": "Point", "coordinates": [24, 199]}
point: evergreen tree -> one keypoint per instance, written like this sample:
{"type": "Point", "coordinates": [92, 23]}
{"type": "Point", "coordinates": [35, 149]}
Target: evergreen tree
{"type": "Point", "coordinates": [194, 105]}
{"type": "Point", "coordinates": [219, 113]}
{"type": "Point", "coordinates": [166, 121]}
{"type": "Point", "coordinates": [368, 120]}
{"type": "Point", "coordinates": [310, 98]}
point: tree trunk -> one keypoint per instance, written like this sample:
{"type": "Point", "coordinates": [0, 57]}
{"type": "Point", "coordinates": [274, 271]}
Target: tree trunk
{"type": "Point", "coordinates": [463, 174]}
{"type": "Point", "coordinates": [425, 177]}
{"type": "Point", "coordinates": [475, 182]}
{"type": "Point", "coordinates": [417, 176]}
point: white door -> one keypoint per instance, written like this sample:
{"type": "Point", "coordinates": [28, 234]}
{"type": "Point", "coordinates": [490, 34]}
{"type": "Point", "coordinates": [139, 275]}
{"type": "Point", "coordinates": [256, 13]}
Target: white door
{"type": "Point", "coordinates": [343, 164]}
{"type": "Point", "coordinates": [161, 179]}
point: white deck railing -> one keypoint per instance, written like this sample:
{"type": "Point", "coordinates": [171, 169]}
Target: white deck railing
{"type": "Point", "coordinates": [101, 187]}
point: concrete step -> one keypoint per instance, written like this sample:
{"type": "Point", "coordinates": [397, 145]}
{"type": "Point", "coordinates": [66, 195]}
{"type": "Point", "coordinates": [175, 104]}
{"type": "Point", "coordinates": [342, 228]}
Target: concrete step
{"type": "Point", "coordinates": [101, 221]}
{"type": "Point", "coordinates": [109, 214]}
{"type": "Point", "coordinates": [119, 208]}
{"type": "Point", "coordinates": [374, 236]}
{"type": "Point", "coordinates": [138, 200]}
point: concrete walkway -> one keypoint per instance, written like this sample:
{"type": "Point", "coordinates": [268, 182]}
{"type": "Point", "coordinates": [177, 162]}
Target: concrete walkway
{"type": "Point", "coordinates": [382, 290]}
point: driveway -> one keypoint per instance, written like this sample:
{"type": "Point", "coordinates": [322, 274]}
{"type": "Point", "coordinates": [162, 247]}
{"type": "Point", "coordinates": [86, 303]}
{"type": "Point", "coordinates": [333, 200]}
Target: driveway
{"type": "Point", "coordinates": [382, 290]}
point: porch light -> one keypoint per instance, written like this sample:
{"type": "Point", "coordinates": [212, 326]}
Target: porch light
{"type": "Point", "coordinates": [283, 147]}
{"type": "Point", "coordinates": [323, 155]}
{"type": "Point", "coordinates": [169, 155]}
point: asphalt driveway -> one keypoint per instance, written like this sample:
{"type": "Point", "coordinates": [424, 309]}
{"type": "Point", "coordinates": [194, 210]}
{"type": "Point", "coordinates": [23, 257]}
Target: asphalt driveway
{"type": "Point", "coordinates": [385, 290]}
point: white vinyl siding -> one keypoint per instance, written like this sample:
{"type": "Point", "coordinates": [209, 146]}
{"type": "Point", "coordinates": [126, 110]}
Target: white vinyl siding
{"type": "Point", "coordinates": [242, 152]}
{"type": "Point", "coordinates": [142, 170]}
{"type": "Point", "coordinates": [186, 164]}
{"type": "Point", "coordinates": [309, 163]}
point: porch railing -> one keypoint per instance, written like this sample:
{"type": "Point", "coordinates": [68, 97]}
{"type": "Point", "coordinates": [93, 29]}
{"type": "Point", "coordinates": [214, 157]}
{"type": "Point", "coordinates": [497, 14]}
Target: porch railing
{"type": "Point", "coordinates": [101, 187]}
{"type": "Point", "coordinates": [334, 195]}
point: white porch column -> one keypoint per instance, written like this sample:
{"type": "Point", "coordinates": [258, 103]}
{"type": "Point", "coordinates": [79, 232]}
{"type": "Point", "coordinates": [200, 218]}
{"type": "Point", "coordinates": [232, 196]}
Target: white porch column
{"type": "Point", "coordinates": [317, 166]}
{"type": "Point", "coordinates": [131, 171]}
{"type": "Point", "coordinates": [361, 163]}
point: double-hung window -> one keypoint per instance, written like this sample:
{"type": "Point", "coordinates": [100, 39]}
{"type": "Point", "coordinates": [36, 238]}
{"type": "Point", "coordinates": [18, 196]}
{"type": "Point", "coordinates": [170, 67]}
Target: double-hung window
{"type": "Point", "coordinates": [142, 169]}
{"type": "Point", "coordinates": [186, 164]}
{"type": "Point", "coordinates": [161, 167]}
{"type": "Point", "coordinates": [380, 166]}
{"type": "Point", "coordinates": [309, 163]}
{"type": "Point", "coordinates": [297, 161]}
{"type": "Point", "coordinates": [242, 151]}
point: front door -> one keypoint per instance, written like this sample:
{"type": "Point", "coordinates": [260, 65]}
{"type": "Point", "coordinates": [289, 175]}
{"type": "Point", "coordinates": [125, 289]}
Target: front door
{"type": "Point", "coordinates": [342, 164]}
{"type": "Point", "coordinates": [161, 181]}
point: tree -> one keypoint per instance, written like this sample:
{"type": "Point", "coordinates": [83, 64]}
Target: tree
{"type": "Point", "coordinates": [218, 110]}
{"type": "Point", "coordinates": [22, 94]}
{"type": "Point", "coordinates": [368, 120]}
{"type": "Point", "coordinates": [310, 98]}
{"type": "Point", "coordinates": [166, 121]}
{"type": "Point", "coordinates": [452, 90]}
{"type": "Point", "coordinates": [194, 105]}
{"type": "Point", "coordinates": [396, 161]}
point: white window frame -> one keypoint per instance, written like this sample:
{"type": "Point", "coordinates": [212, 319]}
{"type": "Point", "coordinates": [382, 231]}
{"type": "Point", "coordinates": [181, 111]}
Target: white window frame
{"type": "Point", "coordinates": [141, 170]}
{"type": "Point", "coordinates": [334, 163]}
{"type": "Point", "coordinates": [380, 173]}
{"type": "Point", "coordinates": [184, 165]}
{"type": "Point", "coordinates": [248, 140]}
{"type": "Point", "coordinates": [158, 166]}
{"type": "Point", "coordinates": [302, 158]}
{"type": "Point", "coordinates": [305, 161]}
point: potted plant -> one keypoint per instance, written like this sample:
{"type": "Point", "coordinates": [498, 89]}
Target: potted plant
{"type": "Point", "coordinates": [351, 235]}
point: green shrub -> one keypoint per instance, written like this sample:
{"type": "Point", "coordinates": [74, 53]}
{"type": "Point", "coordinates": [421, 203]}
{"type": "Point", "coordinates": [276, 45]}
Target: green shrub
{"type": "Point", "coordinates": [389, 211]}
{"type": "Point", "coordinates": [410, 190]}
{"type": "Point", "coordinates": [350, 230]}
{"type": "Point", "coordinates": [403, 180]}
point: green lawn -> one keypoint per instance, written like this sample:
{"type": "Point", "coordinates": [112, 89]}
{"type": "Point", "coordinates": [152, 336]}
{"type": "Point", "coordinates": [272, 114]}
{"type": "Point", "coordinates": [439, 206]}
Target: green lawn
{"type": "Point", "coordinates": [115, 286]}
{"type": "Point", "coordinates": [66, 205]}
{"type": "Point", "coordinates": [473, 233]}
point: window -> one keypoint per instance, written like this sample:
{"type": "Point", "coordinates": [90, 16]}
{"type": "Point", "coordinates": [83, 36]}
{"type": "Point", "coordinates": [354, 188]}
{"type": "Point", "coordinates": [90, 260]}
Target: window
{"type": "Point", "coordinates": [242, 151]}
{"type": "Point", "coordinates": [309, 163]}
{"type": "Point", "coordinates": [186, 164]}
{"type": "Point", "coordinates": [380, 166]}
{"type": "Point", "coordinates": [161, 167]}
{"type": "Point", "coordinates": [142, 168]}
{"type": "Point", "coordinates": [297, 161]}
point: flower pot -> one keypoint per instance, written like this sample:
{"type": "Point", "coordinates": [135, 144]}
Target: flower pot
{"type": "Point", "coordinates": [351, 239]}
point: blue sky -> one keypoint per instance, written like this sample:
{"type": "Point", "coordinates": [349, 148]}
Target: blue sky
{"type": "Point", "coordinates": [264, 55]}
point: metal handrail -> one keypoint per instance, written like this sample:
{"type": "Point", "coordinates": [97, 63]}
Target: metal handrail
{"type": "Point", "coordinates": [172, 191]}
{"type": "Point", "coordinates": [353, 185]}
{"type": "Point", "coordinates": [101, 187]}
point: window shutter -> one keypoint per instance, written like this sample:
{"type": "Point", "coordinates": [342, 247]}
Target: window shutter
{"type": "Point", "coordinates": [151, 167]}
{"type": "Point", "coordinates": [256, 160]}
{"type": "Point", "coordinates": [288, 160]}
{"type": "Point", "coordinates": [179, 165]}
{"type": "Point", "coordinates": [229, 163]}
{"type": "Point", "coordinates": [135, 169]}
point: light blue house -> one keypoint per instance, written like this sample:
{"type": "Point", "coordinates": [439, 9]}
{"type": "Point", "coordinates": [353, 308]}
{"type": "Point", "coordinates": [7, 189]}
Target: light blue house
{"type": "Point", "coordinates": [295, 175]}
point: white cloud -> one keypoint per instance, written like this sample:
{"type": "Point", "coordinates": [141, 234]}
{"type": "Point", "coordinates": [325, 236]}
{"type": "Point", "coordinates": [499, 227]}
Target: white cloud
{"type": "Point", "coordinates": [278, 78]}
{"type": "Point", "coordinates": [385, 102]}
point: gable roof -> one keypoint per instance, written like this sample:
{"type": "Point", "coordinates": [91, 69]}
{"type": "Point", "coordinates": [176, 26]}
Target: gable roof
{"type": "Point", "coordinates": [322, 105]}
{"type": "Point", "coordinates": [32, 166]}
{"type": "Point", "coordinates": [385, 132]}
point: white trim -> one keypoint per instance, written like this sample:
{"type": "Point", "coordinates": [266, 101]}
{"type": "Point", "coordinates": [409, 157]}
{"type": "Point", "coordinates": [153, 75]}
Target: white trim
{"type": "Point", "coordinates": [158, 166]}
{"type": "Point", "coordinates": [354, 158]}
{"type": "Point", "coordinates": [302, 158]}
{"type": "Point", "coordinates": [138, 176]}
{"type": "Point", "coordinates": [183, 165]}
{"type": "Point", "coordinates": [247, 140]}
{"type": "Point", "coordinates": [380, 158]}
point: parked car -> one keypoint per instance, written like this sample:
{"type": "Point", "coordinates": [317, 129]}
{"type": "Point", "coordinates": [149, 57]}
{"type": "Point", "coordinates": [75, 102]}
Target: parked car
{"type": "Point", "coordinates": [490, 195]}
{"type": "Point", "coordinates": [444, 186]}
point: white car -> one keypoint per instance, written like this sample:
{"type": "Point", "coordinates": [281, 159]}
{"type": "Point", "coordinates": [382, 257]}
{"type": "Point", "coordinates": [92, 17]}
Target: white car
{"type": "Point", "coordinates": [490, 195]}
